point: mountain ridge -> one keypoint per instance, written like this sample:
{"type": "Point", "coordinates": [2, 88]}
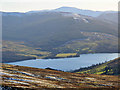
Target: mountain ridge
{"type": "Point", "coordinates": [66, 9]}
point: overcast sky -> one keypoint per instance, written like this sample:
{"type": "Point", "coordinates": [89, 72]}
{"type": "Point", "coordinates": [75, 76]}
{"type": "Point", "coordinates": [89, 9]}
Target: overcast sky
{"type": "Point", "coordinates": [28, 5]}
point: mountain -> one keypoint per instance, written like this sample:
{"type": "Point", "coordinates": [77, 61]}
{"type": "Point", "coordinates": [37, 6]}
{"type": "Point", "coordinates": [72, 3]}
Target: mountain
{"type": "Point", "coordinates": [57, 32]}
{"type": "Point", "coordinates": [46, 28]}
{"type": "Point", "coordinates": [65, 9]}
{"type": "Point", "coordinates": [107, 68]}
{"type": "Point", "coordinates": [79, 11]}
{"type": "Point", "coordinates": [16, 77]}
{"type": "Point", "coordinates": [83, 11]}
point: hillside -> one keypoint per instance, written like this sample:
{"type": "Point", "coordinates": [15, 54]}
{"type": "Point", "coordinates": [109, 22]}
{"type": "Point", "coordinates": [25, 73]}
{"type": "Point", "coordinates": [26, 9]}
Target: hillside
{"type": "Point", "coordinates": [17, 51]}
{"type": "Point", "coordinates": [19, 77]}
{"type": "Point", "coordinates": [48, 27]}
{"type": "Point", "coordinates": [56, 32]}
{"type": "Point", "coordinates": [108, 68]}
{"type": "Point", "coordinates": [112, 17]}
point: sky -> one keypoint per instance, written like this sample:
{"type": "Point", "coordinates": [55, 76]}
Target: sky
{"type": "Point", "coordinates": [31, 5]}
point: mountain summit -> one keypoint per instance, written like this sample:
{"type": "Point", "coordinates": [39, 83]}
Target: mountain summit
{"type": "Point", "coordinates": [79, 11]}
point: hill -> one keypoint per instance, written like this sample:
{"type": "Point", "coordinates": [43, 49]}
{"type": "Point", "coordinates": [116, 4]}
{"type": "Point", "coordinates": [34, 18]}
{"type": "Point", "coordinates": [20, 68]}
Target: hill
{"type": "Point", "coordinates": [58, 32]}
{"type": "Point", "coordinates": [20, 77]}
{"type": "Point", "coordinates": [17, 51]}
{"type": "Point", "coordinates": [108, 68]}
{"type": "Point", "coordinates": [75, 10]}
{"type": "Point", "coordinates": [112, 17]}
{"type": "Point", "coordinates": [79, 11]}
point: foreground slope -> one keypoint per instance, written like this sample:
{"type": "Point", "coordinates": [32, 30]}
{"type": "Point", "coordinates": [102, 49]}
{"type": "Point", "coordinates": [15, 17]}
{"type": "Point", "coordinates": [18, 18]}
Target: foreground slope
{"type": "Point", "coordinates": [27, 77]}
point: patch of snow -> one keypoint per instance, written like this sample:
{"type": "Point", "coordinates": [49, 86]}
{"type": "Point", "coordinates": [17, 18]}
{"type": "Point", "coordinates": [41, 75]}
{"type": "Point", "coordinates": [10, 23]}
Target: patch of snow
{"type": "Point", "coordinates": [54, 78]}
{"type": "Point", "coordinates": [85, 20]}
{"type": "Point", "coordinates": [25, 73]}
{"type": "Point", "coordinates": [3, 73]}
{"type": "Point", "coordinates": [19, 82]}
{"type": "Point", "coordinates": [75, 16]}
{"type": "Point", "coordinates": [90, 78]}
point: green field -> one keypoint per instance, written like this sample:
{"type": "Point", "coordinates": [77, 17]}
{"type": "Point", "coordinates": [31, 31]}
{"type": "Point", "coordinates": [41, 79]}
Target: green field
{"type": "Point", "coordinates": [66, 54]}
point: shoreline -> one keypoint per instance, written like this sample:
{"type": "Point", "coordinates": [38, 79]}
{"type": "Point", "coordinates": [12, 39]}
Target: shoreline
{"type": "Point", "coordinates": [59, 57]}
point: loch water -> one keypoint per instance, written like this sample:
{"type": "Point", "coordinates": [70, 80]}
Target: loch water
{"type": "Point", "coordinates": [67, 64]}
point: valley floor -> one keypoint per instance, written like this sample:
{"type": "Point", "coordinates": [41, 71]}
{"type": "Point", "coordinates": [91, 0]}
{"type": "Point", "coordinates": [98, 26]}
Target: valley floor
{"type": "Point", "coordinates": [33, 78]}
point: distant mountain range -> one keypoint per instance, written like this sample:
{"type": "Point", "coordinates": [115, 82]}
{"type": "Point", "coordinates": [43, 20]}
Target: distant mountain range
{"type": "Point", "coordinates": [68, 9]}
{"type": "Point", "coordinates": [62, 30]}
{"type": "Point", "coordinates": [82, 11]}
{"type": "Point", "coordinates": [109, 15]}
